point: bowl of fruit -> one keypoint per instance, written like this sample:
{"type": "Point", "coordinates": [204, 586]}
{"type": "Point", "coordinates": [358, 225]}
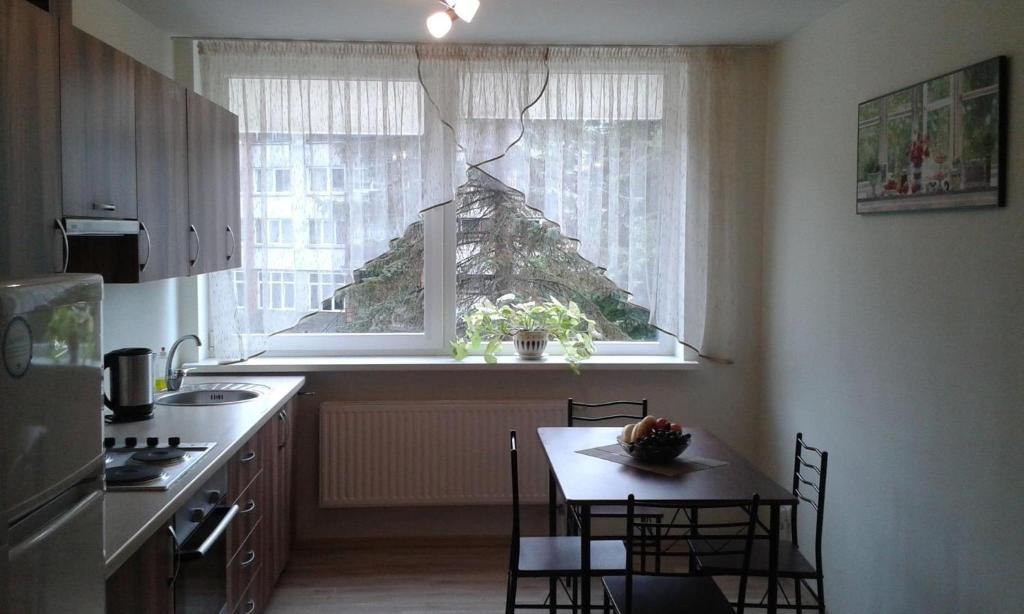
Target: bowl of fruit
{"type": "Point", "coordinates": [654, 440]}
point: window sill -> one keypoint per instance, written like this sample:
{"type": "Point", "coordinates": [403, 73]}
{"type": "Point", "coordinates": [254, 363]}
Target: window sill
{"type": "Point", "coordinates": [304, 364]}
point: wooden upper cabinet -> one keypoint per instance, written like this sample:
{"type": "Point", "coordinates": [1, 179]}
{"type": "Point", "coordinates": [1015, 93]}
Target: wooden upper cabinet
{"type": "Point", "coordinates": [30, 243]}
{"type": "Point", "coordinates": [213, 203]}
{"type": "Point", "coordinates": [161, 147]}
{"type": "Point", "coordinates": [97, 89]}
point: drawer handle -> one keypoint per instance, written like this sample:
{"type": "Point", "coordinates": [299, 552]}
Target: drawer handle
{"type": "Point", "coordinates": [199, 246]}
{"type": "Point", "coordinates": [250, 507]}
{"type": "Point", "coordinates": [67, 248]}
{"type": "Point", "coordinates": [250, 606]}
{"type": "Point", "coordinates": [104, 207]}
{"type": "Point", "coordinates": [149, 246]}
{"type": "Point", "coordinates": [248, 458]}
{"type": "Point", "coordinates": [286, 431]}
{"type": "Point", "coordinates": [249, 559]}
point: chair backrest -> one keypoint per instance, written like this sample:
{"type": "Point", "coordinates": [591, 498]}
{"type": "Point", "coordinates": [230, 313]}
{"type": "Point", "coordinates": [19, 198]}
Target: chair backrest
{"type": "Point", "coordinates": [513, 453]}
{"type": "Point", "coordinates": [717, 536]}
{"type": "Point", "coordinates": [809, 477]}
{"type": "Point", "coordinates": [620, 407]}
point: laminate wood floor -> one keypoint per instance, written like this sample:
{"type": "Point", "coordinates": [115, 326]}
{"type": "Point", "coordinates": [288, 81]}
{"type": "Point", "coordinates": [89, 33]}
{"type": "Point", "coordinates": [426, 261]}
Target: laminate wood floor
{"type": "Point", "coordinates": [402, 579]}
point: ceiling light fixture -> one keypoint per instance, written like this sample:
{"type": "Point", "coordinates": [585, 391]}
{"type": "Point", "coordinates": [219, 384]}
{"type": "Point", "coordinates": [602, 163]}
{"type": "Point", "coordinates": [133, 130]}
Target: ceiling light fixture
{"type": "Point", "coordinates": [440, 23]}
{"type": "Point", "coordinates": [465, 9]}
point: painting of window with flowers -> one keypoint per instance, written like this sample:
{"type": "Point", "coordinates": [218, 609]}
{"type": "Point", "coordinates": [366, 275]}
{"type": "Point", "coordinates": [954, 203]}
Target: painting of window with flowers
{"type": "Point", "coordinates": [939, 144]}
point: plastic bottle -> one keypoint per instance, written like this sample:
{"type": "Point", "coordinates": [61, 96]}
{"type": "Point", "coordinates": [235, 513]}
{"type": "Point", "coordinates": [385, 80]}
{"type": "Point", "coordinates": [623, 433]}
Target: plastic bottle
{"type": "Point", "coordinates": [160, 371]}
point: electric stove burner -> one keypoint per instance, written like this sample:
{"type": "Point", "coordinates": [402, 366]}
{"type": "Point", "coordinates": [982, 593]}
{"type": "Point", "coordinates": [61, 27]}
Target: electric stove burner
{"type": "Point", "coordinates": [132, 474]}
{"type": "Point", "coordinates": [153, 466]}
{"type": "Point", "coordinates": [159, 456]}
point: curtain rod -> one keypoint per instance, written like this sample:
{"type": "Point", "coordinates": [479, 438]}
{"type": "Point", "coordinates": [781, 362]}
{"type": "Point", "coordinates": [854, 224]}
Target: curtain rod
{"type": "Point", "coordinates": [538, 45]}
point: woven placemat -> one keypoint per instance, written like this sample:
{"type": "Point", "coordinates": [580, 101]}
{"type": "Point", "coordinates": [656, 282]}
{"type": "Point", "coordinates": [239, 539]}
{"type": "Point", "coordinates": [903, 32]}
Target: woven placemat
{"type": "Point", "coordinates": [678, 466]}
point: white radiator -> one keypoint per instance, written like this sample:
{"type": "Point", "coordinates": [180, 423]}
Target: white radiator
{"type": "Point", "coordinates": [407, 453]}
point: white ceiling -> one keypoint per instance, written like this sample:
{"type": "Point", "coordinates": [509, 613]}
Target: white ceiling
{"type": "Point", "coordinates": [690, 22]}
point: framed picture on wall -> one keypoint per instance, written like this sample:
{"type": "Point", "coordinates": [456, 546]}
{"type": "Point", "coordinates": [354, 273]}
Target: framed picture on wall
{"type": "Point", "coordinates": [940, 144]}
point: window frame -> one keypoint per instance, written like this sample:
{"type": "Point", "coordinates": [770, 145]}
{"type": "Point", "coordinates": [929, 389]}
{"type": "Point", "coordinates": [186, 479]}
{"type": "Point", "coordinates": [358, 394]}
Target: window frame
{"type": "Point", "coordinates": [320, 283]}
{"type": "Point", "coordinates": [280, 223]}
{"type": "Point", "coordinates": [326, 226]}
{"type": "Point", "coordinates": [439, 315]}
{"type": "Point", "coordinates": [266, 282]}
{"type": "Point", "coordinates": [439, 228]}
{"type": "Point", "coordinates": [430, 342]}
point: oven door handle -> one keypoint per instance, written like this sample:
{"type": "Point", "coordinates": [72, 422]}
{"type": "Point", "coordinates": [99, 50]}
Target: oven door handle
{"type": "Point", "coordinates": [226, 514]}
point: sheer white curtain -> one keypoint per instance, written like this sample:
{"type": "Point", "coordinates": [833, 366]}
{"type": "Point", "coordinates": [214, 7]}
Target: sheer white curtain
{"type": "Point", "coordinates": [336, 160]}
{"type": "Point", "coordinates": [645, 155]}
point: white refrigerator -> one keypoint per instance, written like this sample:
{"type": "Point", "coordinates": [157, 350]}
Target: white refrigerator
{"type": "Point", "coordinates": [51, 453]}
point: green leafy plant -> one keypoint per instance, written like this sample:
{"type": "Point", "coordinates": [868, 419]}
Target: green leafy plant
{"type": "Point", "coordinates": [488, 324]}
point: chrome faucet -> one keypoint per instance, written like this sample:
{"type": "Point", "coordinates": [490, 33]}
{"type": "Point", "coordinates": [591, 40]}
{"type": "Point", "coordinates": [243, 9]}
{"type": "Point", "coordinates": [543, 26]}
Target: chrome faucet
{"type": "Point", "coordinates": [175, 377]}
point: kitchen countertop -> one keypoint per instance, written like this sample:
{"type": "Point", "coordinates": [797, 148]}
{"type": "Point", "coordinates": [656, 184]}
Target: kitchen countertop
{"type": "Point", "coordinates": [131, 517]}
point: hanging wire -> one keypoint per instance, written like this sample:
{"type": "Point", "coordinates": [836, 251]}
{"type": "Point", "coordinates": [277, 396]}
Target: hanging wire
{"type": "Point", "coordinates": [522, 133]}
{"type": "Point", "coordinates": [478, 166]}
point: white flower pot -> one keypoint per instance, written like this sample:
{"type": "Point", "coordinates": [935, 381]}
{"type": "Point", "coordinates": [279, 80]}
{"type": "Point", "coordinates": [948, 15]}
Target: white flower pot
{"type": "Point", "coordinates": [530, 344]}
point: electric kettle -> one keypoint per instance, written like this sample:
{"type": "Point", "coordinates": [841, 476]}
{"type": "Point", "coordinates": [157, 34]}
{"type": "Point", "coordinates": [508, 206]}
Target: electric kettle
{"type": "Point", "coordinates": [131, 383]}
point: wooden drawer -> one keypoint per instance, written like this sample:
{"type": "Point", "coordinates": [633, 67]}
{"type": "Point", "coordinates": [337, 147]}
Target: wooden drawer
{"type": "Point", "coordinates": [246, 464]}
{"type": "Point", "coordinates": [244, 567]}
{"type": "Point", "coordinates": [251, 601]}
{"type": "Point", "coordinates": [251, 505]}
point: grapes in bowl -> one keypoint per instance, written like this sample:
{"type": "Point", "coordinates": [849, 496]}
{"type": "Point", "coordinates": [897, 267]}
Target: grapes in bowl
{"type": "Point", "coordinates": [654, 440]}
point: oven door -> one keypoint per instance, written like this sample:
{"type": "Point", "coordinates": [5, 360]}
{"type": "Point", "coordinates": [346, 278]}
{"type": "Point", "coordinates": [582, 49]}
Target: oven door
{"type": "Point", "coordinates": [201, 585]}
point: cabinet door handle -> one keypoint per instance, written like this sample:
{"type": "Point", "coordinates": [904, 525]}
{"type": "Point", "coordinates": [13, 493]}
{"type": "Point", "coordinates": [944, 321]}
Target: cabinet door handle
{"type": "Point", "coordinates": [149, 246]}
{"type": "Point", "coordinates": [232, 233]}
{"type": "Point", "coordinates": [192, 262]}
{"type": "Point", "coordinates": [67, 248]}
{"type": "Point", "coordinates": [104, 207]}
{"type": "Point", "coordinates": [249, 507]}
{"type": "Point", "coordinates": [249, 559]}
{"type": "Point", "coordinates": [250, 606]}
{"type": "Point", "coordinates": [283, 417]}
{"type": "Point", "coordinates": [248, 458]}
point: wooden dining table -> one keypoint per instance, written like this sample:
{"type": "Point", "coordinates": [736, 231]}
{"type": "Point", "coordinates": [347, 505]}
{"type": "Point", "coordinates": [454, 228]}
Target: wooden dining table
{"type": "Point", "coordinates": [587, 481]}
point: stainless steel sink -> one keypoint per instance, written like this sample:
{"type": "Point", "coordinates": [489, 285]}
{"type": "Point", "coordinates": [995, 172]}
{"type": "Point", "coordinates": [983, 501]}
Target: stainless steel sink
{"type": "Point", "coordinates": [219, 393]}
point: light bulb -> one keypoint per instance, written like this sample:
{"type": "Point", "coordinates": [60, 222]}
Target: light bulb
{"type": "Point", "coordinates": [439, 24]}
{"type": "Point", "coordinates": [466, 9]}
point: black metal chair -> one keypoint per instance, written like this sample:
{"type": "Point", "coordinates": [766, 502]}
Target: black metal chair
{"type": "Point", "coordinates": [683, 592]}
{"type": "Point", "coordinates": [609, 511]}
{"type": "Point", "coordinates": [552, 557]}
{"type": "Point", "coordinates": [807, 476]}
{"type": "Point", "coordinates": [574, 417]}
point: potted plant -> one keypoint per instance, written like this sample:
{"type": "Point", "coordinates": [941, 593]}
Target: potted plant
{"type": "Point", "coordinates": [529, 325]}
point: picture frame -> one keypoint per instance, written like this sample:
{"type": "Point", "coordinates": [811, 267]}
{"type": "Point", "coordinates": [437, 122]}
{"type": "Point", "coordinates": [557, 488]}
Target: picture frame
{"type": "Point", "coordinates": [938, 144]}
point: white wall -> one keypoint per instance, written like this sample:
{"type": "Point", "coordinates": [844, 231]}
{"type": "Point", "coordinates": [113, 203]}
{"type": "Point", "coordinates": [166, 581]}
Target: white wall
{"type": "Point", "coordinates": [126, 31]}
{"type": "Point", "coordinates": [144, 314]}
{"type": "Point", "coordinates": [897, 341]}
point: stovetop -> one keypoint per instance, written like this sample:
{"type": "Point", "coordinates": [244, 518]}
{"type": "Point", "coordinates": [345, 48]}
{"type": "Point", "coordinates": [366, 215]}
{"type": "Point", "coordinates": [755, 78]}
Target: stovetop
{"type": "Point", "coordinates": [150, 464]}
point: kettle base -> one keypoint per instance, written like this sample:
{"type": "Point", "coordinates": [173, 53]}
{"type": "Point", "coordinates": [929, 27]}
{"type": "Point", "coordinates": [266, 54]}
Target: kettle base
{"type": "Point", "coordinates": [135, 414]}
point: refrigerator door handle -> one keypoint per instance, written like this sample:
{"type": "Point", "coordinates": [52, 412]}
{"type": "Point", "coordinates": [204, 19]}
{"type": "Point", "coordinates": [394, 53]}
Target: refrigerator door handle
{"type": "Point", "coordinates": [55, 526]}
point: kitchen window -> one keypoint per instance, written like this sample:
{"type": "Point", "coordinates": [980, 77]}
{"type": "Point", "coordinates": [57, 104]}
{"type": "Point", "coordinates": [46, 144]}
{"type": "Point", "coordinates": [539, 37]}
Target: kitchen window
{"type": "Point", "coordinates": [387, 275]}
